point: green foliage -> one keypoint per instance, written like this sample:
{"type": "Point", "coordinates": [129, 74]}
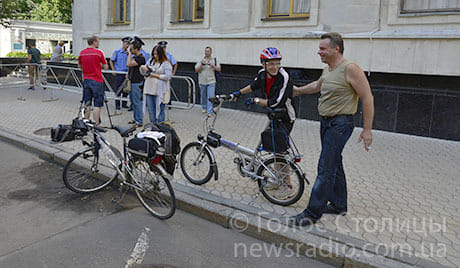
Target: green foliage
{"type": "Point", "coordinates": [59, 11]}
{"type": "Point", "coordinates": [17, 55]}
{"type": "Point", "coordinates": [17, 9]}
{"type": "Point", "coordinates": [44, 55]}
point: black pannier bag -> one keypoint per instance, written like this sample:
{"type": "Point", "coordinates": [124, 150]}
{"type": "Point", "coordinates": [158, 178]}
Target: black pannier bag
{"type": "Point", "coordinates": [79, 127]}
{"type": "Point", "coordinates": [144, 147]}
{"type": "Point", "coordinates": [275, 140]}
{"type": "Point", "coordinates": [172, 140]}
{"type": "Point", "coordinates": [213, 139]}
{"type": "Point", "coordinates": [171, 145]}
{"type": "Point", "coordinates": [62, 133]}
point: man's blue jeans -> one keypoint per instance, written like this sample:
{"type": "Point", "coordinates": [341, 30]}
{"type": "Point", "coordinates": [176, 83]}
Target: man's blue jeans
{"type": "Point", "coordinates": [330, 184]}
{"type": "Point", "coordinates": [207, 91]}
{"type": "Point", "coordinates": [135, 97]}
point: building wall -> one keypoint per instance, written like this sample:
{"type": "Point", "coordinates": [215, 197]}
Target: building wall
{"type": "Point", "coordinates": [376, 36]}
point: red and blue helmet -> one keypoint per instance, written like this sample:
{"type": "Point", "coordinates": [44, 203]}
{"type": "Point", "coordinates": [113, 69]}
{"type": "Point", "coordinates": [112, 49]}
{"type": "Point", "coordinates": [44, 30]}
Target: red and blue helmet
{"type": "Point", "coordinates": [270, 53]}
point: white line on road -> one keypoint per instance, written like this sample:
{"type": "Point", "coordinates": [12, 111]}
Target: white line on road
{"type": "Point", "coordinates": [137, 256]}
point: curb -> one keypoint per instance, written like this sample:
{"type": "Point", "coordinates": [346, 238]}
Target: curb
{"type": "Point", "coordinates": [326, 246]}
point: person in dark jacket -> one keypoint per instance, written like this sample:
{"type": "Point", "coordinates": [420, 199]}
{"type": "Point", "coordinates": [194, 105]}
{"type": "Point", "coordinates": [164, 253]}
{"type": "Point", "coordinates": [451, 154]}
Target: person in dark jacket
{"type": "Point", "coordinates": [275, 85]}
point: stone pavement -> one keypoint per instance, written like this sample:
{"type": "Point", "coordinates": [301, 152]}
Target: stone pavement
{"type": "Point", "coordinates": [403, 195]}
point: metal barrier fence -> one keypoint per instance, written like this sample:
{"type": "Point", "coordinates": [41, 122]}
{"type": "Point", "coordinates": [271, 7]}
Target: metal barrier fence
{"type": "Point", "coordinates": [72, 76]}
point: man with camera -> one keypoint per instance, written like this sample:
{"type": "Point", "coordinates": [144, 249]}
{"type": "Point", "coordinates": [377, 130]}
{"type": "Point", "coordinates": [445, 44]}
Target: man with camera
{"type": "Point", "coordinates": [206, 69]}
{"type": "Point", "coordinates": [134, 61]}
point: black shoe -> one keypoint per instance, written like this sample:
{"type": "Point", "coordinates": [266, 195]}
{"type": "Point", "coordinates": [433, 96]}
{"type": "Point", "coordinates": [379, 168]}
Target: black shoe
{"type": "Point", "coordinates": [301, 220]}
{"type": "Point", "coordinates": [130, 109]}
{"type": "Point", "coordinates": [132, 122]}
{"type": "Point", "coordinates": [331, 209]}
{"type": "Point", "coordinates": [125, 106]}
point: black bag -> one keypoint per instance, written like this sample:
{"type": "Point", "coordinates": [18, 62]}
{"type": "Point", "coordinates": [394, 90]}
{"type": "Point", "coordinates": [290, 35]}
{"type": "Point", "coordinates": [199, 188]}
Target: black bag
{"type": "Point", "coordinates": [275, 140]}
{"type": "Point", "coordinates": [143, 147]}
{"type": "Point", "coordinates": [79, 127]}
{"type": "Point", "coordinates": [62, 133]}
{"type": "Point", "coordinates": [172, 140]}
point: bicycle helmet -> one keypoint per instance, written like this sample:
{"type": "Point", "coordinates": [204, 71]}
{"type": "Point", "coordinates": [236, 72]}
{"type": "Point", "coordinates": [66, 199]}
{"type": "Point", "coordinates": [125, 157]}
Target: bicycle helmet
{"type": "Point", "coordinates": [270, 53]}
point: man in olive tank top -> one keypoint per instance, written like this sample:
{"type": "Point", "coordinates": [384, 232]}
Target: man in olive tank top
{"type": "Point", "coordinates": [340, 85]}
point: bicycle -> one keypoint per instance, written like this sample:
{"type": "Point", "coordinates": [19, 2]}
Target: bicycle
{"type": "Point", "coordinates": [86, 172]}
{"type": "Point", "coordinates": [271, 171]}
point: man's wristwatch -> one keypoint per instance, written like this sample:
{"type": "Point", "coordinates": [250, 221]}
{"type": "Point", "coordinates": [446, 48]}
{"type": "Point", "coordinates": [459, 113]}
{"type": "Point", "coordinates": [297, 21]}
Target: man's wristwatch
{"type": "Point", "coordinates": [256, 100]}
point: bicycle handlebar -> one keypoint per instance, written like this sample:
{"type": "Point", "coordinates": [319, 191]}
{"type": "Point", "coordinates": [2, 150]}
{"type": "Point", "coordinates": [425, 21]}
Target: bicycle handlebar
{"type": "Point", "coordinates": [220, 98]}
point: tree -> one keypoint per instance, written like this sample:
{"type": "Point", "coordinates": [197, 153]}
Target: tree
{"type": "Point", "coordinates": [17, 9]}
{"type": "Point", "coordinates": [59, 11]}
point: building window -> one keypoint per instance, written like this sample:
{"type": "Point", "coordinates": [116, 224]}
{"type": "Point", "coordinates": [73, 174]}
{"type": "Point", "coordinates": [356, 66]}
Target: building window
{"type": "Point", "coordinates": [121, 11]}
{"type": "Point", "coordinates": [429, 6]}
{"type": "Point", "coordinates": [190, 10]}
{"type": "Point", "coordinates": [288, 8]}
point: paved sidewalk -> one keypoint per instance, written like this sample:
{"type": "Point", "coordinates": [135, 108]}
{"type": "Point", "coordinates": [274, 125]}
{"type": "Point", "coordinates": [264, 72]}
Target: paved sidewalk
{"type": "Point", "coordinates": [403, 195]}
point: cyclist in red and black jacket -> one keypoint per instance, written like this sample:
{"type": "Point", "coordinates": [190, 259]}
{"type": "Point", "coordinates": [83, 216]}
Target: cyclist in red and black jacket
{"type": "Point", "coordinates": [276, 85]}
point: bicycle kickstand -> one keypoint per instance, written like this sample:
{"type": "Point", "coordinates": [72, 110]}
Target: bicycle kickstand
{"type": "Point", "coordinates": [122, 193]}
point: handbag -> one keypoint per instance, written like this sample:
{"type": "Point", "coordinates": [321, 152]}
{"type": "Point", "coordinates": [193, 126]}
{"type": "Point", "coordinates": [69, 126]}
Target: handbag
{"type": "Point", "coordinates": [126, 86]}
{"type": "Point", "coordinates": [151, 86]}
{"type": "Point", "coordinates": [275, 139]}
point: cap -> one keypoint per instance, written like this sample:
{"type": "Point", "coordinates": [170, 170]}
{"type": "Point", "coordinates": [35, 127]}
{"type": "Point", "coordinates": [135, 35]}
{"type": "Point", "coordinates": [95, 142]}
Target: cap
{"type": "Point", "coordinates": [127, 39]}
{"type": "Point", "coordinates": [138, 40]}
{"type": "Point", "coordinates": [162, 43]}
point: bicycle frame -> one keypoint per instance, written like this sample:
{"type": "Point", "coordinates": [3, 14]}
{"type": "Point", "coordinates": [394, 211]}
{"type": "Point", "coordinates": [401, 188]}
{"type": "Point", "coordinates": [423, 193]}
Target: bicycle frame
{"type": "Point", "coordinates": [250, 168]}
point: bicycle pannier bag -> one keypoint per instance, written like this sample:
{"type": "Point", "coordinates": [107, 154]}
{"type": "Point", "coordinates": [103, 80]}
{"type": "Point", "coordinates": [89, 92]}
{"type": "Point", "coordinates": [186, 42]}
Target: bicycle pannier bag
{"type": "Point", "coordinates": [62, 133]}
{"type": "Point", "coordinates": [213, 139]}
{"type": "Point", "coordinates": [144, 147]}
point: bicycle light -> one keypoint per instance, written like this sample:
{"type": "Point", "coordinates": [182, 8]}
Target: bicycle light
{"type": "Point", "coordinates": [298, 159]}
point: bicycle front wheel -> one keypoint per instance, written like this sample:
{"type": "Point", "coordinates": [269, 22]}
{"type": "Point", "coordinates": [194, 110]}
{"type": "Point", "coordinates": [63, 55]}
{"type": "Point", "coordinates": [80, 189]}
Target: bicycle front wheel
{"type": "Point", "coordinates": [83, 173]}
{"type": "Point", "coordinates": [195, 163]}
{"type": "Point", "coordinates": [283, 182]}
{"type": "Point", "coordinates": [156, 193]}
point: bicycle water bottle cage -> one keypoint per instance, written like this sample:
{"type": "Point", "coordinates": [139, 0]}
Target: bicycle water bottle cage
{"type": "Point", "coordinates": [213, 139]}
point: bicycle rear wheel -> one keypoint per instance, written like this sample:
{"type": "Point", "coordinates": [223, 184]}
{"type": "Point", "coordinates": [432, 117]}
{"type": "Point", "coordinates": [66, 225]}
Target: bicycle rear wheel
{"type": "Point", "coordinates": [286, 186]}
{"type": "Point", "coordinates": [83, 173]}
{"type": "Point", "coordinates": [196, 164]}
{"type": "Point", "coordinates": [156, 193]}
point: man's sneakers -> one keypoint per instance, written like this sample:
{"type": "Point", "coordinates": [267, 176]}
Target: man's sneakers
{"type": "Point", "coordinates": [31, 88]}
{"type": "Point", "coordinates": [285, 191]}
{"type": "Point", "coordinates": [331, 209]}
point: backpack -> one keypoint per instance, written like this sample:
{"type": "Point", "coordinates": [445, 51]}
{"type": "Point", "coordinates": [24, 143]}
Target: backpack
{"type": "Point", "coordinates": [62, 133]}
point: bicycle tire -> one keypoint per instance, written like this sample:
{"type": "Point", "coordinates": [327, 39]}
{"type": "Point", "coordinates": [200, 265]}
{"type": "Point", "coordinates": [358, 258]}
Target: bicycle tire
{"type": "Point", "coordinates": [82, 172]}
{"type": "Point", "coordinates": [296, 177]}
{"type": "Point", "coordinates": [156, 194]}
{"type": "Point", "coordinates": [187, 158]}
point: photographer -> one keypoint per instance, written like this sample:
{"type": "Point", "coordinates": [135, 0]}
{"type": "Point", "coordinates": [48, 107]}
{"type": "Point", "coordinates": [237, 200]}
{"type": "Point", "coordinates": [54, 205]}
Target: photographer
{"type": "Point", "coordinates": [206, 69]}
{"type": "Point", "coordinates": [158, 72]}
{"type": "Point", "coordinates": [134, 61]}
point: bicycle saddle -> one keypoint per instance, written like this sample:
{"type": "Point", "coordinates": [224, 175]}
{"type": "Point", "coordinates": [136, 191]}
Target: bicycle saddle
{"type": "Point", "coordinates": [124, 132]}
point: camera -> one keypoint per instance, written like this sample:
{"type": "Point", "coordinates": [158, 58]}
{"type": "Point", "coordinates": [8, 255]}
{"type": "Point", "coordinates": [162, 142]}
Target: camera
{"type": "Point", "coordinates": [146, 73]}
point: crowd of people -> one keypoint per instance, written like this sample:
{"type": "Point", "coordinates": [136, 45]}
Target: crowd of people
{"type": "Point", "coordinates": [340, 86]}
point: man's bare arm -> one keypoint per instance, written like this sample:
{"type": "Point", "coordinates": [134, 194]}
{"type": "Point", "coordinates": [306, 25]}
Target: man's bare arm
{"type": "Point", "coordinates": [310, 88]}
{"type": "Point", "coordinates": [356, 77]}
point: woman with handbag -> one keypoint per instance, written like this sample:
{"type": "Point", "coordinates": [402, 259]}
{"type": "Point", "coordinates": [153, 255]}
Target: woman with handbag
{"type": "Point", "coordinates": [156, 88]}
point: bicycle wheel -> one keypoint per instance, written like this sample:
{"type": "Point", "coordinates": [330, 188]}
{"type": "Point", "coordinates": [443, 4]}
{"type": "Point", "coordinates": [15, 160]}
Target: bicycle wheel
{"type": "Point", "coordinates": [284, 183]}
{"type": "Point", "coordinates": [83, 173]}
{"type": "Point", "coordinates": [196, 165]}
{"type": "Point", "coordinates": [156, 194]}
